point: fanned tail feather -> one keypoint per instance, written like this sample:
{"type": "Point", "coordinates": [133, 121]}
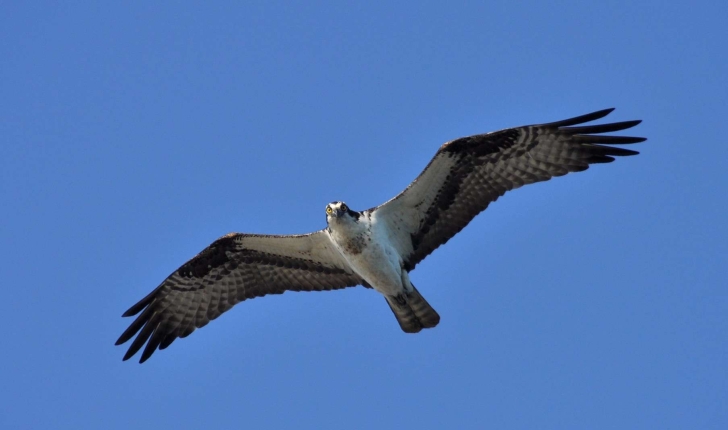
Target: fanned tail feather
{"type": "Point", "coordinates": [412, 311]}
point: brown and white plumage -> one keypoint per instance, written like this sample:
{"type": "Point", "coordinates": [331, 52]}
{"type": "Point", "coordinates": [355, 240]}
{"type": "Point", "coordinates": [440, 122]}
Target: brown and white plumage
{"type": "Point", "coordinates": [234, 268]}
{"type": "Point", "coordinates": [469, 173]}
{"type": "Point", "coordinates": [378, 247]}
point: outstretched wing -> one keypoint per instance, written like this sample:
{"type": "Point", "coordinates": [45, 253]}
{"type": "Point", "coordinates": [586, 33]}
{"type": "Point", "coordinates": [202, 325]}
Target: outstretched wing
{"type": "Point", "coordinates": [469, 173]}
{"type": "Point", "coordinates": [233, 268]}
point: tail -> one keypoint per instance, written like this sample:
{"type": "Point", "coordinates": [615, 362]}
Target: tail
{"type": "Point", "coordinates": [412, 311]}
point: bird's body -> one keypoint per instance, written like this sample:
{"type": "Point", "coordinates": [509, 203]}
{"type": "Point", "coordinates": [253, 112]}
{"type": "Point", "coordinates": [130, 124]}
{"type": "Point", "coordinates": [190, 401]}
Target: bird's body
{"type": "Point", "coordinates": [365, 244]}
{"type": "Point", "coordinates": [378, 247]}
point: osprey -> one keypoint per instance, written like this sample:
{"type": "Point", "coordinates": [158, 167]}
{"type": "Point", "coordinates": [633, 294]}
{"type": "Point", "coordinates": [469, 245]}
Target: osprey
{"type": "Point", "coordinates": [378, 247]}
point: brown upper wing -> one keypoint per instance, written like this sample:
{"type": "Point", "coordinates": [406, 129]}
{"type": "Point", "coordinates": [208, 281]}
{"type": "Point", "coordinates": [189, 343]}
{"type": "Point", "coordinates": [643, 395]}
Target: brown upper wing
{"type": "Point", "coordinates": [469, 173]}
{"type": "Point", "coordinates": [233, 268]}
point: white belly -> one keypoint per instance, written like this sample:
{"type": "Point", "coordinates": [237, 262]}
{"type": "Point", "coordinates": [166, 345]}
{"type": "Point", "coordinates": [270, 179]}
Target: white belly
{"type": "Point", "coordinates": [379, 267]}
{"type": "Point", "coordinates": [371, 257]}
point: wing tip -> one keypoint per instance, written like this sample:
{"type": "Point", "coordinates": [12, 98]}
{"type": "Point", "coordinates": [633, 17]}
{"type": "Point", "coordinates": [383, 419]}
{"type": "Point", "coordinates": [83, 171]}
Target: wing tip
{"type": "Point", "coordinates": [141, 304]}
{"type": "Point", "coordinates": [593, 134]}
{"type": "Point", "coordinates": [124, 338]}
{"type": "Point", "coordinates": [130, 312]}
{"type": "Point", "coordinates": [145, 357]}
{"type": "Point", "coordinates": [580, 119]}
{"type": "Point", "coordinates": [626, 152]}
{"type": "Point", "coordinates": [129, 354]}
{"type": "Point", "coordinates": [611, 151]}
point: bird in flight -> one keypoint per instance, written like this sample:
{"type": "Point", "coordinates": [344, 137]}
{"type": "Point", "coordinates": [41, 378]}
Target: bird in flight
{"type": "Point", "coordinates": [378, 247]}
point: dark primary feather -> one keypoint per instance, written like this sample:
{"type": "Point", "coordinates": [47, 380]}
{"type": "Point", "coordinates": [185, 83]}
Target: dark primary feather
{"type": "Point", "coordinates": [223, 274]}
{"type": "Point", "coordinates": [469, 173]}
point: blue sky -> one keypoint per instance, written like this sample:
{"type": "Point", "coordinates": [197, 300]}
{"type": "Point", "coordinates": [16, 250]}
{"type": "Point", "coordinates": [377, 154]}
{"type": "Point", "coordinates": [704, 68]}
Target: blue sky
{"type": "Point", "coordinates": [133, 136]}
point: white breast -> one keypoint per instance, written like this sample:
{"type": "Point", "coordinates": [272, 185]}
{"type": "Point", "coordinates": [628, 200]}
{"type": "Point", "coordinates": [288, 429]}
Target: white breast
{"type": "Point", "coordinates": [366, 246]}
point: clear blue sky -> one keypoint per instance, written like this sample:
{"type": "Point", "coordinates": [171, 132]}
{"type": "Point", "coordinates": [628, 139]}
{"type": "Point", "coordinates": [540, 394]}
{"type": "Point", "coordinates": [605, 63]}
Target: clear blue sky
{"type": "Point", "coordinates": [132, 136]}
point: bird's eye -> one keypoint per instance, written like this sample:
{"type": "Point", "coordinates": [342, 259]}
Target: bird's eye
{"type": "Point", "coordinates": [329, 210]}
{"type": "Point", "coordinates": [344, 208]}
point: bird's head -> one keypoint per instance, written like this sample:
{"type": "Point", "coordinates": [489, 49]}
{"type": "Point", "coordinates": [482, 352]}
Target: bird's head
{"type": "Point", "coordinates": [339, 211]}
